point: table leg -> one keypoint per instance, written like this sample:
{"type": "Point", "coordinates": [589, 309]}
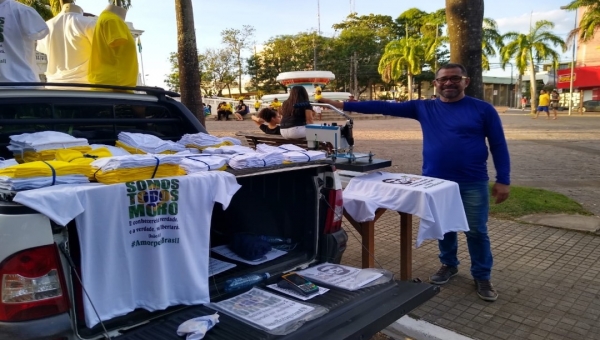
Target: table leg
{"type": "Point", "coordinates": [367, 233]}
{"type": "Point", "coordinates": [405, 246]}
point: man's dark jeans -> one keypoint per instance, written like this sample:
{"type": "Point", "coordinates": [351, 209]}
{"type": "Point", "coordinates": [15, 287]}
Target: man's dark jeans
{"type": "Point", "coordinates": [475, 197]}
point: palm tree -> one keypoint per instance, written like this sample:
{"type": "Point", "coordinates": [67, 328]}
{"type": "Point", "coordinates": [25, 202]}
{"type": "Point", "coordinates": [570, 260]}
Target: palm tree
{"type": "Point", "coordinates": [465, 22]}
{"type": "Point", "coordinates": [490, 43]}
{"type": "Point", "coordinates": [590, 20]}
{"type": "Point", "coordinates": [187, 58]}
{"type": "Point", "coordinates": [404, 55]}
{"type": "Point", "coordinates": [529, 49]}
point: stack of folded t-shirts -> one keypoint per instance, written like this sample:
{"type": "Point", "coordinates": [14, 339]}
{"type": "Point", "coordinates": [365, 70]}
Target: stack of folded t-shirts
{"type": "Point", "coordinates": [202, 141]}
{"type": "Point", "coordinates": [114, 150]}
{"type": "Point", "coordinates": [228, 150]}
{"type": "Point", "coordinates": [255, 160]}
{"type": "Point", "coordinates": [141, 143]}
{"type": "Point", "coordinates": [38, 174]}
{"type": "Point", "coordinates": [41, 146]}
{"type": "Point", "coordinates": [76, 157]}
{"type": "Point", "coordinates": [7, 162]}
{"type": "Point", "coordinates": [281, 148]}
{"type": "Point", "coordinates": [123, 169]}
{"type": "Point", "coordinates": [292, 153]}
{"type": "Point", "coordinates": [197, 163]}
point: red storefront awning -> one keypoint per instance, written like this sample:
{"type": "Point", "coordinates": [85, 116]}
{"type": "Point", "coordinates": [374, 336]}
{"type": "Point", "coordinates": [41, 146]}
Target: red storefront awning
{"type": "Point", "coordinates": [583, 77]}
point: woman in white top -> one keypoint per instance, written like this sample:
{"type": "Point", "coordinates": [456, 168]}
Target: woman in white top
{"type": "Point", "coordinates": [296, 112]}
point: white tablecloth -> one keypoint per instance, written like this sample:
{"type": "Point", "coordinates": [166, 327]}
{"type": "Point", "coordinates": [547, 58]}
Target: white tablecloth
{"type": "Point", "coordinates": [437, 202]}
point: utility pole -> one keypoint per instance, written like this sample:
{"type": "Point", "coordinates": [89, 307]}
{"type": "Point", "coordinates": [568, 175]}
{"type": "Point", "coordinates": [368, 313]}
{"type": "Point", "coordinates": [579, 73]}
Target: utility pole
{"type": "Point", "coordinates": [355, 65]}
{"type": "Point", "coordinates": [319, 33]}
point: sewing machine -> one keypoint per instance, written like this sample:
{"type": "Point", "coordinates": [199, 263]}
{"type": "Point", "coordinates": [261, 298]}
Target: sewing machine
{"type": "Point", "coordinates": [338, 141]}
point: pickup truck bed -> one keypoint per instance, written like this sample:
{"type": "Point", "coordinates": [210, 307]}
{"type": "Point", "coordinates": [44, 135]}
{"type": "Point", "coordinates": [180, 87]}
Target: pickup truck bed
{"type": "Point", "coordinates": [379, 306]}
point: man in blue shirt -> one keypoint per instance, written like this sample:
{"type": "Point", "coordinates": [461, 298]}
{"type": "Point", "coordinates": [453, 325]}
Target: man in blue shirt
{"type": "Point", "coordinates": [455, 128]}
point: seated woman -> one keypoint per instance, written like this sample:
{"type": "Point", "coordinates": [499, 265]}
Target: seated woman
{"type": "Point", "coordinates": [240, 111]}
{"type": "Point", "coordinates": [268, 121]}
{"type": "Point", "coordinates": [296, 112]}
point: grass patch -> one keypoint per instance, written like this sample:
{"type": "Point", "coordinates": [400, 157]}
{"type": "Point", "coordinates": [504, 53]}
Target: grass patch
{"type": "Point", "coordinates": [526, 201]}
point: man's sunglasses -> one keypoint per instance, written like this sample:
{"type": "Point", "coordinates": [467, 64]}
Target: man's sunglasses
{"type": "Point", "coordinates": [453, 79]}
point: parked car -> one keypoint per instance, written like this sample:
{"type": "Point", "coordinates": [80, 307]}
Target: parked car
{"type": "Point", "coordinates": [590, 105]}
{"type": "Point", "coordinates": [304, 200]}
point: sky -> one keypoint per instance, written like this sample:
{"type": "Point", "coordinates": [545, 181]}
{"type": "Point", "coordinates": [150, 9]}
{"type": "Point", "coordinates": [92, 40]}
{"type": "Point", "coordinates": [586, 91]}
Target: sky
{"type": "Point", "coordinates": [271, 18]}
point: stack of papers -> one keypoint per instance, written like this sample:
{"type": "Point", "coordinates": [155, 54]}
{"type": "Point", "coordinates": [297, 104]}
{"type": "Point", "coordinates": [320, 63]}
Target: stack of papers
{"type": "Point", "coordinates": [196, 163]}
{"type": "Point", "coordinates": [203, 140]}
{"type": "Point", "coordinates": [255, 160]}
{"type": "Point", "coordinates": [41, 146]}
{"type": "Point", "coordinates": [228, 150]}
{"type": "Point", "coordinates": [33, 175]}
{"type": "Point", "coordinates": [141, 143]}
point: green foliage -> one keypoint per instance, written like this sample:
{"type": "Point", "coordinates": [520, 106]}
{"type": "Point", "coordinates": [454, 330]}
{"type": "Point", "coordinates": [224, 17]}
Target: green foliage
{"type": "Point", "coordinates": [526, 201]}
{"type": "Point", "coordinates": [492, 41]}
{"type": "Point", "coordinates": [404, 55]}
{"type": "Point", "coordinates": [590, 21]}
{"type": "Point", "coordinates": [46, 8]}
{"type": "Point", "coordinates": [236, 42]}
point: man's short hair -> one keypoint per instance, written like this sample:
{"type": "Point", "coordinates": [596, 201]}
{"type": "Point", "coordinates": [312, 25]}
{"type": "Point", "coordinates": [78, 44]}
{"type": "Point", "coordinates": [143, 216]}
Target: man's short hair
{"type": "Point", "coordinates": [448, 66]}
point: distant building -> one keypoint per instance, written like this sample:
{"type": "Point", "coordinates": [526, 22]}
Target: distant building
{"type": "Point", "coordinates": [586, 75]}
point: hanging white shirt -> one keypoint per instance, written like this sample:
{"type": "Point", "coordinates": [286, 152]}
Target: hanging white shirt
{"type": "Point", "coordinates": [437, 202]}
{"type": "Point", "coordinates": [20, 27]}
{"type": "Point", "coordinates": [151, 238]}
{"type": "Point", "coordinates": [68, 46]}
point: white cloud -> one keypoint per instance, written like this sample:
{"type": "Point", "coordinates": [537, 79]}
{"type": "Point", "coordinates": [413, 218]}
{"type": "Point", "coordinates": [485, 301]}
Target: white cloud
{"type": "Point", "coordinates": [563, 21]}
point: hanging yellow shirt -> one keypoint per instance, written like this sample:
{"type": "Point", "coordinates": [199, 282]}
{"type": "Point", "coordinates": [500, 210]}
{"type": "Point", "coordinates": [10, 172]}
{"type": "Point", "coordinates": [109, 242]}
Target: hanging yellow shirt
{"type": "Point", "coordinates": [114, 56]}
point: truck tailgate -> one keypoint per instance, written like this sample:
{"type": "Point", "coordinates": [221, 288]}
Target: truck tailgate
{"type": "Point", "coordinates": [352, 315]}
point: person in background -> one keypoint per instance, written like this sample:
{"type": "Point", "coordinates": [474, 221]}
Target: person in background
{"type": "Point", "coordinates": [296, 112]}
{"type": "Point", "coordinates": [275, 104]}
{"type": "Point", "coordinates": [523, 103]}
{"type": "Point", "coordinates": [554, 98]}
{"type": "Point", "coordinates": [433, 97]}
{"type": "Point", "coordinates": [240, 110]}
{"type": "Point", "coordinates": [256, 105]}
{"type": "Point", "coordinates": [543, 103]}
{"type": "Point", "coordinates": [268, 121]}
{"type": "Point", "coordinates": [223, 110]}
{"type": "Point", "coordinates": [318, 111]}
{"type": "Point", "coordinates": [455, 130]}
{"type": "Point", "coordinates": [351, 99]}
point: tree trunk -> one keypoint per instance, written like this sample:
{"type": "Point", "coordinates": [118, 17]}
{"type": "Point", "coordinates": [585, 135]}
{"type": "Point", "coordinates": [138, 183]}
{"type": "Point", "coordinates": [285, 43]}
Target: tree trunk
{"type": "Point", "coordinates": [533, 86]}
{"type": "Point", "coordinates": [465, 22]}
{"type": "Point", "coordinates": [409, 76]}
{"type": "Point", "coordinates": [187, 57]}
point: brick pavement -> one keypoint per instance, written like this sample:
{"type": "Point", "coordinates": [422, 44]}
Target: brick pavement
{"type": "Point", "coordinates": [547, 278]}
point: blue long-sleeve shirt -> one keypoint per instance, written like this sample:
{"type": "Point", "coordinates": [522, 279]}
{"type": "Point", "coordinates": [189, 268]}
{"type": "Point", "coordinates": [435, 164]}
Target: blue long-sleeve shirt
{"type": "Point", "coordinates": [454, 135]}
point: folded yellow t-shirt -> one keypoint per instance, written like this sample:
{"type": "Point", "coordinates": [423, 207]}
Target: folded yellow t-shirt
{"type": "Point", "coordinates": [46, 155]}
{"type": "Point", "coordinates": [137, 174]}
{"type": "Point", "coordinates": [43, 169]}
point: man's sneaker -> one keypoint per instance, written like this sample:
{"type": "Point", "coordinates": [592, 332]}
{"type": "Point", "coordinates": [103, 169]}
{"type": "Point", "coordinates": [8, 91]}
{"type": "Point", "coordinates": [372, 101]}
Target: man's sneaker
{"type": "Point", "coordinates": [443, 275]}
{"type": "Point", "coordinates": [485, 290]}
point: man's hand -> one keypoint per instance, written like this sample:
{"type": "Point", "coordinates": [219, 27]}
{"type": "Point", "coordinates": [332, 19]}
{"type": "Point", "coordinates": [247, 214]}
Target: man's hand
{"type": "Point", "coordinates": [501, 192]}
{"type": "Point", "coordinates": [335, 103]}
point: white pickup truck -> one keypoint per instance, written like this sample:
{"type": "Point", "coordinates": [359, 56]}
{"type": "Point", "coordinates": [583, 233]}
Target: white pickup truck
{"type": "Point", "coordinates": [42, 298]}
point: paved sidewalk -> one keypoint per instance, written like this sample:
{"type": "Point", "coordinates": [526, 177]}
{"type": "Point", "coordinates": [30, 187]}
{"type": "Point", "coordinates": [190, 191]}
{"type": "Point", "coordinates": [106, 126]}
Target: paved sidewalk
{"type": "Point", "coordinates": [548, 278]}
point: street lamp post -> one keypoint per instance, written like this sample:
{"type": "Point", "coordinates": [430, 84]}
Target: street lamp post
{"type": "Point", "coordinates": [572, 66]}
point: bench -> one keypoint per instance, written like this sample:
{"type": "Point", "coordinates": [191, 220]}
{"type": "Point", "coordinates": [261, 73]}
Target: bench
{"type": "Point", "coordinates": [255, 138]}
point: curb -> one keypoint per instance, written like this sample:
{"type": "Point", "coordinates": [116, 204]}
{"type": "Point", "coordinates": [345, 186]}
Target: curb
{"type": "Point", "coordinates": [420, 330]}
